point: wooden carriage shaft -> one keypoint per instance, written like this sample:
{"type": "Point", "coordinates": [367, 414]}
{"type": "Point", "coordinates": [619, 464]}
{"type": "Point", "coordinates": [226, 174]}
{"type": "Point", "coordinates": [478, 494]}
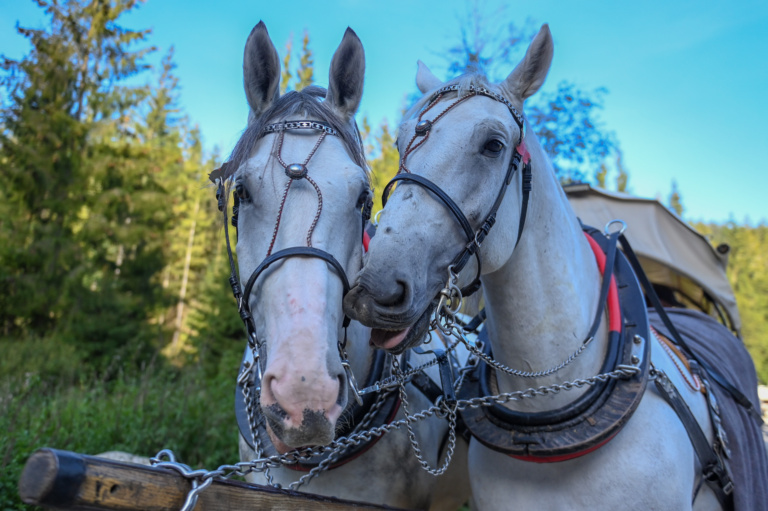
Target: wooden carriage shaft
{"type": "Point", "coordinates": [66, 480]}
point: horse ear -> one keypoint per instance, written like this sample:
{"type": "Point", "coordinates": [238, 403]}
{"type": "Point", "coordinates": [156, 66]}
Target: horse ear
{"type": "Point", "coordinates": [425, 79]}
{"type": "Point", "coordinates": [261, 70]}
{"type": "Point", "coordinates": [530, 73]}
{"type": "Point", "coordinates": [345, 78]}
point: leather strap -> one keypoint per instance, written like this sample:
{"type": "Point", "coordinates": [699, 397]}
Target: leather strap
{"type": "Point", "coordinates": [474, 238]}
{"type": "Point", "coordinates": [714, 470]}
{"type": "Point", "coordinates": [292, 252]}
{"type": "Point", "coordinates": [735, 393]}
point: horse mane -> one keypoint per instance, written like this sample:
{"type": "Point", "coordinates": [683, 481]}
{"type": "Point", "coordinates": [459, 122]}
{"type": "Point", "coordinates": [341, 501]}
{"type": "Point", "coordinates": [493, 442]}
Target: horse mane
{"type": "Point", "coordinates": [308, 103]}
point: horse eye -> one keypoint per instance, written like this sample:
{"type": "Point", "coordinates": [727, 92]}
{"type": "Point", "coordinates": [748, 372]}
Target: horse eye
{"type": "Point", "coordinates": [362, 199]}
{"type": "Point", "coordinates": [242, 192]}
{"type": "Point", "coordinates": [494, 147]}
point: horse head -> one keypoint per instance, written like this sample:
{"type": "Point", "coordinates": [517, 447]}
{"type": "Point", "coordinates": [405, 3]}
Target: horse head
{"type": "Point", "coordinates": [460, 147]}
{"type": "Point", "coordinates": [300, 182]}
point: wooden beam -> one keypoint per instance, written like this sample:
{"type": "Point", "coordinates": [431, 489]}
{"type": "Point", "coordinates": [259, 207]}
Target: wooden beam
{"type": "Point", "coordinates": [67, 480]}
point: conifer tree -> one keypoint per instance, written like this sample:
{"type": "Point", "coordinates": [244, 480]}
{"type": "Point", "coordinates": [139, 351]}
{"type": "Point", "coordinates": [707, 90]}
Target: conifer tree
{"type": "Point", "coordinates": [305, 72]}
{"type": "Point", "coordinates": [601, 174]}
{"type": "Point", "coordinates": [285, 74]}
{"type": "Point", "coordinates": [384, 161]}
{"type": "Point", "coordinates": [60, 98]}
{"type": "Point", "coordinates": [622, 179]}
{"type": "Point", "coordinates": [675, 201]}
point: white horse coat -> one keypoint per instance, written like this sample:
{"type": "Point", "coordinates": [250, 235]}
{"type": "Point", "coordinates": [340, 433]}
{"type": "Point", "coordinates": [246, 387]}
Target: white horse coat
{"type": "Point", "coordinates": [540, 296]}
{"type": "Point", "coordinates": [296, 302]}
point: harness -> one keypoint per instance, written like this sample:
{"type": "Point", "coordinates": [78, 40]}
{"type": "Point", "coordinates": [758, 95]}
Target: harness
{"type": "Point", "coordinates": [598, 414]}
{"type": "Point", "coordinates": [371, 410]}
{"type": "Point", "coordinates": [295, 172]}
{"type": "Point", "coordinates": [476, 237]}
{"type": "Point", "coordinates": [249, 383]}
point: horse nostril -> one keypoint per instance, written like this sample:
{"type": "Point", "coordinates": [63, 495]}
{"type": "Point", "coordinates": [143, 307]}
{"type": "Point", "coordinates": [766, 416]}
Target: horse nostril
{"type": "Point", "coordinates": [394, 294]}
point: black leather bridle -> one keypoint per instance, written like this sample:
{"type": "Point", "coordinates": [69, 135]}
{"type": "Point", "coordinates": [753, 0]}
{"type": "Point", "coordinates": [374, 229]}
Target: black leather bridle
{"type": "Point", "coordinates": [475, 238]}
{"type": "Point", "coordinates": [295, 171]}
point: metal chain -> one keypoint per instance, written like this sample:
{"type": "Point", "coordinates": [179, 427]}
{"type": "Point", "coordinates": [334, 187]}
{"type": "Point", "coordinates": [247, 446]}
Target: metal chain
{"type": "Point", "coordinates": [447, 326]}
{"type": "Point", "coordinates": [202, 478]}
{"type": "Point", "coordinates": [451, 415]}
{"type": "Point", "coordinates": [483, 92]}
{"type": "Point", "coordinates": [396, 380]}
{"type": "Point", "coordinates": [449, 304]}
{"type": "Point", "coordinates": [334, 456]}
{"type": "Point", "coordinates": [251, 402]}
{"type": "Point", "coordinates": [524, 374]}
{"type": "Point", "coordinates": [297, 125]}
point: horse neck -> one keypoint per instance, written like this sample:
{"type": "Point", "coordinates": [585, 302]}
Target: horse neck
{"type": "Point", "coordinates": [541, 303]}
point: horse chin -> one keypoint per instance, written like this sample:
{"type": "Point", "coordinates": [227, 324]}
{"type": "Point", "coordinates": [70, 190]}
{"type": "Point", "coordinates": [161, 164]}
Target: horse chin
{"type": "Point", "coordinates": [397, 341]}
{"type": "Point", "coordinates": [315, 430]}
{"type": "Point", "coordinates": [278, 444]}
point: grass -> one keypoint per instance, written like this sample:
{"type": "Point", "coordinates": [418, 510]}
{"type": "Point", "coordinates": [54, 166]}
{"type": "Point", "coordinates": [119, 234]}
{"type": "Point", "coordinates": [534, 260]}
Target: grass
{"type": "Point", "coordinates": [48, 399]}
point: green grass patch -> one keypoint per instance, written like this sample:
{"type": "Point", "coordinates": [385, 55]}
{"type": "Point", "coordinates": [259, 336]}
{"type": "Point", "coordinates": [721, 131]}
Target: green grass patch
{"type": "Point", "coordinates": [48, 401]}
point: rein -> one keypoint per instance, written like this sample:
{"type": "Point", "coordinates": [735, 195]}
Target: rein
{"type": "Point", "coordinates": [475, 238]}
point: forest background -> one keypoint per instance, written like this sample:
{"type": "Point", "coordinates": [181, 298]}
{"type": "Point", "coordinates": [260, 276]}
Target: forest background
{"type": "Point", "coordinates": [117, 326]}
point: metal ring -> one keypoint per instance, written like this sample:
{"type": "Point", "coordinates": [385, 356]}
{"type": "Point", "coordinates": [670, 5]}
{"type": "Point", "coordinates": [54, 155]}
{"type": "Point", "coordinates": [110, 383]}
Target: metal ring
{"type": "Point", "coordinates": [619, 232]}
{"type": "Point", "coordinates": [375, 221]}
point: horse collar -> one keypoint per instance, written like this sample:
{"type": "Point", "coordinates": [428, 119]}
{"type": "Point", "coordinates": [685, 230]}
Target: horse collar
{"type": "Point", "coordinates": [596, 416]}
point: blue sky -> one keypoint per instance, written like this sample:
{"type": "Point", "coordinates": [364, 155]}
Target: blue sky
{"type": "Point", "coordinates": [686, 80]}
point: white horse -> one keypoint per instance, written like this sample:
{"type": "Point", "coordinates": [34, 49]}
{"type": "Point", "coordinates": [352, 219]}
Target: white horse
{"type": "Point", "coordinates": [467, 141]}
{"type": "Point", "coordinates": [300, 181]}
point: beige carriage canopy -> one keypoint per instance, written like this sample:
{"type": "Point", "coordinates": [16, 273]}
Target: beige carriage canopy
{"type": "Point", "coordinates": [671, 252]}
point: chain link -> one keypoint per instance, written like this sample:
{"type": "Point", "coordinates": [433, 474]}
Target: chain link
{"type": "Point", "coordinates": [516, 372]}
{"type": "Point", "coordinates": [450, 413]}
{"type": "Point", "coordinates": [448, 306]}
{"type": "Point", "coordinates": [202, 478]}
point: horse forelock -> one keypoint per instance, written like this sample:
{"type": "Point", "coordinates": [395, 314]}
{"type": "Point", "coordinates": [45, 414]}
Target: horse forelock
{"type": "Point", "coordinates": [308, 103]}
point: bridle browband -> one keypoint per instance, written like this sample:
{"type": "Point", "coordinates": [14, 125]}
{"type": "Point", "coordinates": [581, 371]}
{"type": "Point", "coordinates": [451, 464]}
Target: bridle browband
{"type": "Point", "coordinates": [475, 238]}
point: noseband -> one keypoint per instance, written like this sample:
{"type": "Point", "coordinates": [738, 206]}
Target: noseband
{"type": "Point", "coordinates": [295, 172]}
{"type": "Point", "coordinates": [475, 238]}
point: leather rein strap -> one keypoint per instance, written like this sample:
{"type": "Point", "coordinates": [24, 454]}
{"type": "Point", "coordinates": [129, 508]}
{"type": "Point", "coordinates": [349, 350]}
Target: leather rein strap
{"type": "Point", "coordinates": [474, 238]}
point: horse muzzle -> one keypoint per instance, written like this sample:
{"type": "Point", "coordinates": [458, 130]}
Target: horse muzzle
{"type": "Point", "coordinates": [396, 325]}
